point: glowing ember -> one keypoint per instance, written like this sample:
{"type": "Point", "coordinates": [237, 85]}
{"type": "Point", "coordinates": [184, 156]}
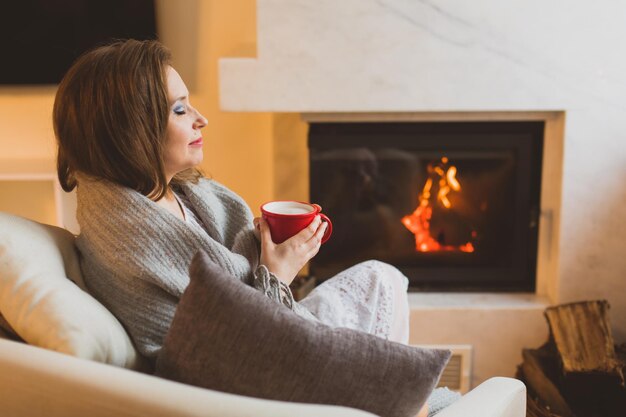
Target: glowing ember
{"type": "Point", "coordinates": [444, 175]}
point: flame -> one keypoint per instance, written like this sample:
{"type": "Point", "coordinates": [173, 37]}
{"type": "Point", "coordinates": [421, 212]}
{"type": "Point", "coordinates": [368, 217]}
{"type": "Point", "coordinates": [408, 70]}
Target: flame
{"type": "Point", "coordinates": [419, 221]}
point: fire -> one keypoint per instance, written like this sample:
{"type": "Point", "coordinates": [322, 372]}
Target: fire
{"type": "Point", "coordinates": [419, 221]}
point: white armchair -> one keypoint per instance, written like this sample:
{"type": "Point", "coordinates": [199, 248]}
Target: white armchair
{"type": "Point", "coordinates": [42, 300]}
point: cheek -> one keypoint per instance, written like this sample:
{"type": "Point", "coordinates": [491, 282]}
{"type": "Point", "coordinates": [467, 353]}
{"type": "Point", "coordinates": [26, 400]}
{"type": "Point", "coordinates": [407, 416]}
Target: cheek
{"type": "Point", "coordinates": [176, 139]}
{"type": "Point", "coordinates": [175, 146]}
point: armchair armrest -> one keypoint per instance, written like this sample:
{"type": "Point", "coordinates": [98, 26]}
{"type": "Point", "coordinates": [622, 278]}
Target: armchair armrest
{"type": "Point", "coordinates": [39, 382]}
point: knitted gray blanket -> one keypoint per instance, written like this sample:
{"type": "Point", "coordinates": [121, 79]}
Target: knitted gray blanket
{"type": "Point", "coordinates": [135, 255]}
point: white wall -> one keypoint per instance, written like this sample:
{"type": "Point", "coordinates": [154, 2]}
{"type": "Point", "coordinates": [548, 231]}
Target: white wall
{"type": "Point", "coordinates": [458, 56]}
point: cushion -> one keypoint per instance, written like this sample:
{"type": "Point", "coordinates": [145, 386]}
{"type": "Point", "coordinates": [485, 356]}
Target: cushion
{"type": "Point", "coordinates": [47, 309]}
{"type": "Point", "coordinates": [229, 337]}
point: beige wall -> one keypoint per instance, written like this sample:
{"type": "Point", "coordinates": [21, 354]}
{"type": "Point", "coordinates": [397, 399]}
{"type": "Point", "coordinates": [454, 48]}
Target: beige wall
{"type": "Point", "coordinates": [26, 134]}
{"type": "Point", "coordinates": [31, 199]}
{"type": "Point", "coordinates": [291, 157]}
{"type": "Point", "coordinates": [26, 122]}
{"type": "Point", "coordinates": [238, 147]}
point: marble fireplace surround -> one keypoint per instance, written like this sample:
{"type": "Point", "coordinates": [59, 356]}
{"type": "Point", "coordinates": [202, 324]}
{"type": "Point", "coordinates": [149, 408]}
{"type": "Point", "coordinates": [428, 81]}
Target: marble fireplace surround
{"type": "Point", "coordinates": [360, 60]}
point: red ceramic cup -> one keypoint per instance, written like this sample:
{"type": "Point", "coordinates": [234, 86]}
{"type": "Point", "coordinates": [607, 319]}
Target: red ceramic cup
{"type": "Point", "coordinates": [287, 218]}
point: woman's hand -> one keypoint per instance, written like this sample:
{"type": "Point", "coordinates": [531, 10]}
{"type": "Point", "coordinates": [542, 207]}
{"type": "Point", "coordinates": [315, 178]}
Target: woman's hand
{"type": "Point", "coordinates": [286, 259]}
{"type": "Point", "coordinates": [257, 228]}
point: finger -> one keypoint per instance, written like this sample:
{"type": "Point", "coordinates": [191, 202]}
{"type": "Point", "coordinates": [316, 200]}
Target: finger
{"type": "Point", "coordinates": [316, 239]}
{"type": "Point", "coordinates": [316, 244]}
{"type": "Point", "coordinates": [255, 222]}
{"type": "Point", "coordinates": [303, 236]}
{"type": "Point", "coordinates": [309, 231]}
{"type": "Point", "coordinates": [266, 235]}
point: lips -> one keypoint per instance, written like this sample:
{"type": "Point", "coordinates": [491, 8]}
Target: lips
{"type": "Point", "coordinates": [197, 142]}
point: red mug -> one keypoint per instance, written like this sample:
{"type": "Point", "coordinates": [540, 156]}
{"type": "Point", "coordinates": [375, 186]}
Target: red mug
{"type": "Point", "coordinates": [287, 218]}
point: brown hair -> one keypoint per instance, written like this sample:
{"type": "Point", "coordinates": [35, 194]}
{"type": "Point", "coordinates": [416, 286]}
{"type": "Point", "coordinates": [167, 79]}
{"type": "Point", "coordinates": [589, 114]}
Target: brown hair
{"type": "Point", "coordinates": [110, 117]}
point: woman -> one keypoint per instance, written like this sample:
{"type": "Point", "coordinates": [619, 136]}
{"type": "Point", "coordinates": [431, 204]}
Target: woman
{"type": "Point", "coordinates": [129, 140]}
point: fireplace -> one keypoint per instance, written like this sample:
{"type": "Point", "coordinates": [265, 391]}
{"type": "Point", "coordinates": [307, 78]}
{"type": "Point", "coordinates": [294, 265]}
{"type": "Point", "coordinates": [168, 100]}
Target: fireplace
{"type": "Point", "coordinates": [453, 205]}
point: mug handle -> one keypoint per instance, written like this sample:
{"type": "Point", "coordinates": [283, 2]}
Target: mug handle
{"type": "Point", "coordinates": [329, 228]}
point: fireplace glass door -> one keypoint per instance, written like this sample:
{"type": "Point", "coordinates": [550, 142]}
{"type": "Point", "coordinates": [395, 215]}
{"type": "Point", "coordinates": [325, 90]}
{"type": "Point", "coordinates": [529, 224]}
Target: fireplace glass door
{"type": "Point", "coordinates": [453, 205]}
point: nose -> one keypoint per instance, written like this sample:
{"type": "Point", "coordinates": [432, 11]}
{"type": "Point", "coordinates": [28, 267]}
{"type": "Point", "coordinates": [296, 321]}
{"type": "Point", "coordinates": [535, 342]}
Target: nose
{"type": "Point", "coordinates": [201, 121]}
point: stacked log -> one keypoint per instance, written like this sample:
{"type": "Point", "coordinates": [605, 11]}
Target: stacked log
{"type": "Point", "coordinates": [579, 372]}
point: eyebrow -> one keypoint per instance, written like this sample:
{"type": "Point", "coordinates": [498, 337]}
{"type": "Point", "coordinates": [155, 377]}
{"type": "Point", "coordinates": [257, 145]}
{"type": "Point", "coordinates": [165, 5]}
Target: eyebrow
{"type": "Point", "coordinates": [181, 98]}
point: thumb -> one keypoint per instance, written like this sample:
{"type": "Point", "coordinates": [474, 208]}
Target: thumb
{"type": "Point", "coordinates": [266, 236]}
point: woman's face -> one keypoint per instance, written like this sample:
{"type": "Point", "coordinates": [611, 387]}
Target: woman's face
{"type": "Point", "coordinates": [183, 141]}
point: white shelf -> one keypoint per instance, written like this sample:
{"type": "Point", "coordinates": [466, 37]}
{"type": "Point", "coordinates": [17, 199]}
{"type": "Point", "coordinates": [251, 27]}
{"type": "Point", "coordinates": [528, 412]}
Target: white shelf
{"type": "Point", "coordinates": [43, 169]}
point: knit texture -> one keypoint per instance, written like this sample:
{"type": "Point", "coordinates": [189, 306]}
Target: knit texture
{"type": "Point", "coordinates": [439, 399]}
{"type": "Point", "coordinates": [135, 255]}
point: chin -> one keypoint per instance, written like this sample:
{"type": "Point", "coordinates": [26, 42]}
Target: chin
{"type": "Point", "coordinates": [198, 162]}
{"type": "Point", "coordinates": [194, 162]}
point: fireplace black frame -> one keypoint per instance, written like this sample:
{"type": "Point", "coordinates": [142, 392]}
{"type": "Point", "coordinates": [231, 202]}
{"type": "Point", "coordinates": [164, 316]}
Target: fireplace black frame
{"type": "Point", "coordinates": [524, 138]}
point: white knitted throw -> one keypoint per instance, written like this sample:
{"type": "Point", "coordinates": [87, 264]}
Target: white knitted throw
{"type": "Point", "coordinates": [135, 255]}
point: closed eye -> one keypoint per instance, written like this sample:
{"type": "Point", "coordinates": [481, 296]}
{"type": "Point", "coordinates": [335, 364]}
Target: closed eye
{"type": "Point", "coordinates": [180, 110]}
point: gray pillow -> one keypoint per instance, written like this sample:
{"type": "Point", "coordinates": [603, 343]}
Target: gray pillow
{"type": "Point", "coordinates": [229, 337]}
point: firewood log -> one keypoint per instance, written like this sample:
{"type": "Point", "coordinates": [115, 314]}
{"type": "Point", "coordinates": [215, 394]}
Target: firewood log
{"type": "Point", "coordinates": [592, 376]}
{"type": "Point", "coordinates": [582, 334]}
{"type": "Point", "coordinates": [536, 370]}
